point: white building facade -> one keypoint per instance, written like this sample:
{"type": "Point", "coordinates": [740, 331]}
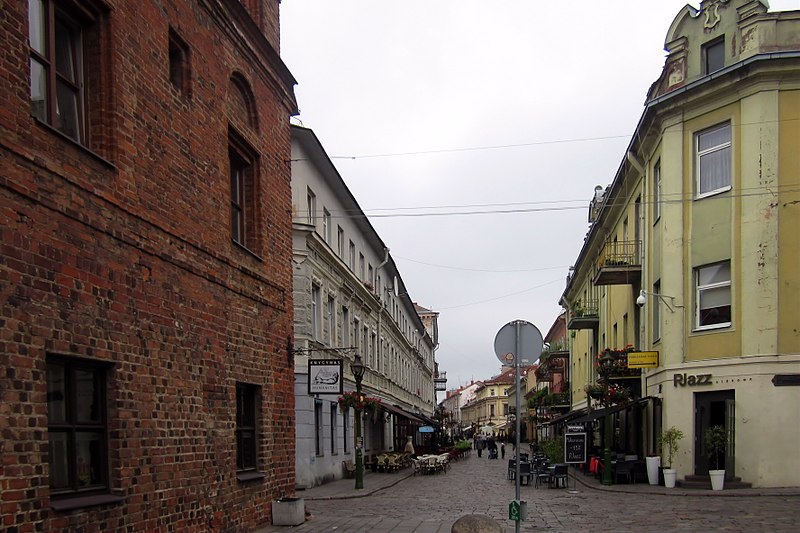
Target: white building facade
{"type": "Point", "coordinates": [349, 299]}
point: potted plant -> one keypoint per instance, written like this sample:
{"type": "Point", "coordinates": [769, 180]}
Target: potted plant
{"type": "Point", "coordinates": [668, 440]}
{"type": "Point", "coordinates": [653, 461]}
{"type": "Point", "coordinates": [716, 440]}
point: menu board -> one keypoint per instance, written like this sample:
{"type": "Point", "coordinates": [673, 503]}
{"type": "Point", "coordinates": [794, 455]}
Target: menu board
{"type": "Point", "coordinates": [575, 448]}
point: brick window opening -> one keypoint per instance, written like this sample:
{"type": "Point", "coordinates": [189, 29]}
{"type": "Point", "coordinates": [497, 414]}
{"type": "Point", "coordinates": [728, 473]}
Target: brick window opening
{"type": "Point", "coordinates": [243, 194]}
{"type": "Point", "coordinates": [178, 63]}
{"type": "Point", "coordinates": [76, 426]}
{"type": "Point", "coordinates": [56, 41]}
{"type": "Point", "coordinates": [246, 435]}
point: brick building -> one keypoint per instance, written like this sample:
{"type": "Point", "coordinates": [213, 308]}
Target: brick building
{"type": "Point", "coordinates": [145, 283]}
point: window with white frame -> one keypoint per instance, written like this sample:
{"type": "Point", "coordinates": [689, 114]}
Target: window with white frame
{"type": "Point", "coordinates": [333, 428]}
{"type": "Point", "coordinates": [345, 428]}
{"type": "Point", "coordinates": [657, 191]}
{"type": "Point", "coordinates": [318, 425]}
{"type": "Point", "coordinates": [352, 256]}
{"type": "Point", "coordinates": [315, 310]}
{"type": "Point", "coordinates": [326, 225]}
{"type": "Point", "coordinates": [713, 152]}
{"type": "Point", "coordinates": [656, 312]}
{"type": "Point", "coordinates": [311, 207]}
{"type": "Point", "coordinates": [340, 241]}
{"type": "Point", "coordinates": [345, 327]}
{"type": "Point", "coordinates": [331, 320]}
{"type": "Point", "coordinates": [713, 295]}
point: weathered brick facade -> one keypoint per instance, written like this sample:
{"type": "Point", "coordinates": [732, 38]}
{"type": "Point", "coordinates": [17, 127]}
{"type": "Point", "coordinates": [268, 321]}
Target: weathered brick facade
{"type": "Point", "coordinates": [118, 250]}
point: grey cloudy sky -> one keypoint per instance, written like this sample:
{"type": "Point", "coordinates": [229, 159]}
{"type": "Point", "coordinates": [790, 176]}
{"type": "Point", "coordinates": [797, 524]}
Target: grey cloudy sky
{"type": "Point", "coordinates": [473, 133]}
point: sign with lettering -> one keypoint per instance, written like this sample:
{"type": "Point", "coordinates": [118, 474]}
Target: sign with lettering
{"type": "Point", "coordinates": [691, 380]}
{"type": "Point", "coordinates": [575, 447]}
{"type": "Point", "coordinates": [642, 359]}
{"type": "Point", "coordinates": [325, 376]}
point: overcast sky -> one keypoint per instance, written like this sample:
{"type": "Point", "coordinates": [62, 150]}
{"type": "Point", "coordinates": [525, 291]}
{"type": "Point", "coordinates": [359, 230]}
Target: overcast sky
{"type": "Point", "coordinates": [435, 110]}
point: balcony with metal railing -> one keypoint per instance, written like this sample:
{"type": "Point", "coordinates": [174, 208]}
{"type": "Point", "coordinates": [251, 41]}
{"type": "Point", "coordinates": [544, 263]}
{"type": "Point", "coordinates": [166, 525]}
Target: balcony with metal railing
{"type": "Point", "coordinates": [619, 263]}
{"type": "Point", "coordinates": [584, 315]}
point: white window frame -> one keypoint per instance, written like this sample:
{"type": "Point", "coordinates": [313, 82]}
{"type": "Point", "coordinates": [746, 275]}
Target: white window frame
{"type": "Point", "coordinates": [699, 289]}
{"type": "Point", "coordinates": [311, 206]}
{"type": "Point", "coordinates": [326, 225]}
{"type": "Point", "coordinates": [316, 292]}
{"type": "Point", "coordinates": [331, 320]}
{"type": "Point", "coordinates": [700, 155]}
{"type": "Point", "coordinates": [657, 312]}
{"type": "Point", "coordinates": [657, 191]}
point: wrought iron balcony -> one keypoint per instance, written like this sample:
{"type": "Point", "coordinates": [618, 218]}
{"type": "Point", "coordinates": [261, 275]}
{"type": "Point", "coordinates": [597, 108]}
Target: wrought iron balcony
{"type": "Point", "coordinates": [619, 263]}
{"type": "Point", "coordinates": [583, 315]}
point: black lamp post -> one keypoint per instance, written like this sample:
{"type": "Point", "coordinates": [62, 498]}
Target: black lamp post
{"type": "Point", "coordinates": [606, 360]}
{"type": "Point", "coordinates": [357, 368]}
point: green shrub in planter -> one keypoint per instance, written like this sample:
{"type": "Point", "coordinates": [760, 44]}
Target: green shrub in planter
{"type": "Point", "coordinates": [668, 440]}
{"type": "Point", "coordinates": [715, 440]}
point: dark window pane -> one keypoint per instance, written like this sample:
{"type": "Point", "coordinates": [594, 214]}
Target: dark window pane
{"type": "Point", "coordinates": [67, 111]}
{"type": "Point", "coordinates": [59, 460]}
{"type": "Point", "coordinates": [56, 394]}
{"type": "Point", "coordinates": [38, 90]}
{"type": "Point", "coordinates": [87, 396]}
{"type": "Point", "coordinates": [67, 42]}
{"type": "Point", "coordinates": [36, 25]}
{"type": "Point", "coordinates": [715, 56]}
{"type": "Point", "coordinates": [89, 459]}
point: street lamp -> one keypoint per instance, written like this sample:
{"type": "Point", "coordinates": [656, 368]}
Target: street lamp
{"type": "Point", "coordinates": [357, 368]}
{"type": "Point", "coordinates": [606, 360]}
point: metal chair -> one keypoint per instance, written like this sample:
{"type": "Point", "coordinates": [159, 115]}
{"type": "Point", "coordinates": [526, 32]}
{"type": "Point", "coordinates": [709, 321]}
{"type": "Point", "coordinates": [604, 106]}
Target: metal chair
{"type": "Point", "coordinates": [524, 473]}
{"type": "Point", "coordinates": [559, 474]}
{"type": "Point", "coordinates": [512, 469]}
{"type": "Point", "coordinates": [624, 469]}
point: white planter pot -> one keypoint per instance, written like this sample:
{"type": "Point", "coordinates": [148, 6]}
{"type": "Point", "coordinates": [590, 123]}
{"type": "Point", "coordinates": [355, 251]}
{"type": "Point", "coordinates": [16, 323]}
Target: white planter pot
{"type": "Point", "coordinates": [717, 479]}
{"type": "Point", "coordinates": [652, 469]}
{"type": "Point", "coordinates": [670, 474]}
{"type": "Point", "coordinates": [288, 512]}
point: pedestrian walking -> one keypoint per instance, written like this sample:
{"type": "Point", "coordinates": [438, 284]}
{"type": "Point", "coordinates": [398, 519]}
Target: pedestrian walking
{"type": "Point", "coordinates": [503, 450]}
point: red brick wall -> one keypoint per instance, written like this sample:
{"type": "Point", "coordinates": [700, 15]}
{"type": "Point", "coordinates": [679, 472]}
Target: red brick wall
{"type": "Point", "coordinates": [125, 256]}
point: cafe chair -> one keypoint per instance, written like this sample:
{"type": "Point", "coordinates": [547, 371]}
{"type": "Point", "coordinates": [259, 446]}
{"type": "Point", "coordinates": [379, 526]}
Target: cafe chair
{"type": "Point", "coordinates": [560, 473]}
{"type": "Point", "coordinates": [524, 473]}
{"type": "Point", "coordinates": [624, 469]}
{"type": "Point", "coordinates": [512, 469]}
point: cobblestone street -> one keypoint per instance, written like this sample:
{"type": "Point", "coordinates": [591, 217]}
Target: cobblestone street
{"type": "Point", "coordinates": [430, 504]}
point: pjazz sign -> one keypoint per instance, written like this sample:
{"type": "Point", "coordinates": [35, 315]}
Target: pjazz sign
{"type": "Point", "coordinates": [691, 380]}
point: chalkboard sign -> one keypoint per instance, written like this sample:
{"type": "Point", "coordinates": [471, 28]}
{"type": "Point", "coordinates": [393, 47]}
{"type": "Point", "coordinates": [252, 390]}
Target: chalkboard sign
{"type": "Point", "coordinates": [575, 448]}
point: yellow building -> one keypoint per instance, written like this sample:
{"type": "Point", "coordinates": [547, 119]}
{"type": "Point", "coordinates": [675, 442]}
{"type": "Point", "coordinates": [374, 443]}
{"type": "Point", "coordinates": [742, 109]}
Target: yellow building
{"type": "Point", "coordinates": [693, 253]}
{"type": "Point", "coordinates": [487, 412]}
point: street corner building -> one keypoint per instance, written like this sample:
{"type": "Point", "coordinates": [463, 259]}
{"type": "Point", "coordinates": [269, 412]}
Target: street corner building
{"type": "Point", "coordinates": [146, 308]}
{"type": "Point", "coordinates": [683, 303]}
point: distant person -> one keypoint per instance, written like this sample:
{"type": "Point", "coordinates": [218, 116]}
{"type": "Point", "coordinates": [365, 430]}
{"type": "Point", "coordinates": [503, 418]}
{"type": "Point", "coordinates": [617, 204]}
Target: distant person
{"type": "Point", "coordinates": [503, 450]}
{"type": "Point", "coordinates": [409, 448]}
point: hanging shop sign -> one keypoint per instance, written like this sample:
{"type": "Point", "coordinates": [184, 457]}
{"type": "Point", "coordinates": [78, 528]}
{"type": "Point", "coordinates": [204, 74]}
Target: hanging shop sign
{"type": "Point", "coordinates": [691, 380]}
{"type": "Point", "coordinates": [642, 359]}
{"type": "Point", "coordinates": [325, 376]}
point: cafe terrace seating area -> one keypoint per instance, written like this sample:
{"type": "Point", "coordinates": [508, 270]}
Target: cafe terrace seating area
{"type": "Point", "coordinates": [537, 469]}
{"type": "Point", "coordinates": [391, 462]}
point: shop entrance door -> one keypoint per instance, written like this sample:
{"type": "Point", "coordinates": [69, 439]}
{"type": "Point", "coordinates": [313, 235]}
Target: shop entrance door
{"type": "Point", "coordinates": [714, 409]}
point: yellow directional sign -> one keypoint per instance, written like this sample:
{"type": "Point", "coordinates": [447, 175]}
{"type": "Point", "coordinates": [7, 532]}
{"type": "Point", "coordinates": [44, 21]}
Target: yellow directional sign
{"type": "Point", "coordinates": [642, 359]}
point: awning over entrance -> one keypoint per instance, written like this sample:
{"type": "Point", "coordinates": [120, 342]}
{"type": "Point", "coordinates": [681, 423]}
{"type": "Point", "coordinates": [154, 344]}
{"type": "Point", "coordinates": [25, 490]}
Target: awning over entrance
{"type": "Point", "coordinates": [393, 409]}
{"type": "Point", "coordinates": [567, 416]}
{"type": "Point", "coordinates": [600, 413]}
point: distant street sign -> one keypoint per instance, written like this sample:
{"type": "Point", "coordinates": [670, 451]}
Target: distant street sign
{"type": "Point", "coordinates": [518, 341]}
